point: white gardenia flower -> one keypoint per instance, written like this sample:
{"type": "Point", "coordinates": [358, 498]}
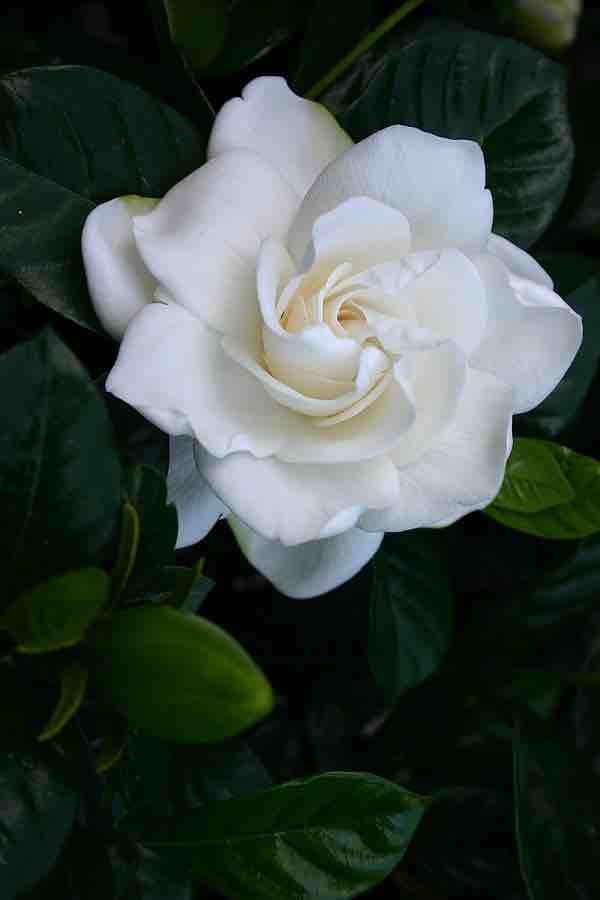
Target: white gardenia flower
{"type": "Point", "coordinates": [331, 334]}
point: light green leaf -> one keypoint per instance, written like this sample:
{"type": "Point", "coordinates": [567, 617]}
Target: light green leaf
{"type": "Point", "coordinates": [533, 480]}
{"type": "Point", "coordinates": [58, 612]}
{"type": "Point", "coordinates": [459, 83]}
{"type": "Point", "coordinates": [577, 517]}
{"type": "Point", "coordinates": [73, 681]}
{"type": "Point", "coordinates": [176, 676]}
{"type": "Point", "coordinates": [128, 547]}
{"type": "Point", "coordinates": [412, 615]}
{"type": "Point", "coordinates": [329, 837]}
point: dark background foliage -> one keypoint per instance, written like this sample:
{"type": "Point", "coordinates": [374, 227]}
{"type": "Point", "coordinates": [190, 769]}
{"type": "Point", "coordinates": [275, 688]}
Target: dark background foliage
{"type": "Point", "coordinates": [462, 664]}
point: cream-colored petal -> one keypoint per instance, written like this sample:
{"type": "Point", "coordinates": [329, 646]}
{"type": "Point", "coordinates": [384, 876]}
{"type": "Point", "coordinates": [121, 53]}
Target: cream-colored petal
{"type": "Point", "coordinates": [202, 241]}
{"type": "Point", "coordinates": [373, 365]}
{"type": "Point", "coordinates": [436, 376]}
{"type": "Point", "coordinates": [532, 336]}
{"type": "Point", "coordinates": [119, 283]}
{"type": "Point", "coordinates": [198, 507]}
{"type": "Point", "coordinates": [170, 364]}
{"type": "Point", "coordinates": [311, 569]}
{"type": "Point", "coordinates": [375, 431]}
{"type": "Point", "coordinates": [361, 231]}
{"type": "Point", "coordinates": [438, 184]}
{"type": "Point", "coordinates": [295, 503]}
{"type": "Point", "coordinates": [463, 470]}
{"type": "Point", "coordinates": [298, 137]}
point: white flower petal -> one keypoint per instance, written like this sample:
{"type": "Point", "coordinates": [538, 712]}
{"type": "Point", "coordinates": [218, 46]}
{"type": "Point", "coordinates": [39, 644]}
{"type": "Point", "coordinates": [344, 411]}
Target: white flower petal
{"type": "Point", "coordinates": [202, 241]}
{"type": "Point", "coordinates": [437, 380]}
{"type": "Point", "coordinates": [438, 184]}
{"type": "Point", "coordinates": [298, 503]}
{"type": "Point", "coordinates": [310, 569]}
{"type": "Point", "coordinates": [361, 231]}
{"type": "Point", "coordinates": [118, 281]}
{"type": "Point", "coordinates": [375, 431]}
{"type": "Point", "coordinates": [463, 470]}
{"type": "Point", "coordinates": [298, 137]}
{"type": "Point", "coordinates": [518, 261]}
{"type": "Point", "coordinates": [198, 508]}
{"type": "Point", "coordinates": [449, 299]}
{"type": "Point", "coordinates": [373, 365]}
{"type": "Point", "coordinates": [171, 363]}
{"type": "Point", "coordinates": [532, 335]}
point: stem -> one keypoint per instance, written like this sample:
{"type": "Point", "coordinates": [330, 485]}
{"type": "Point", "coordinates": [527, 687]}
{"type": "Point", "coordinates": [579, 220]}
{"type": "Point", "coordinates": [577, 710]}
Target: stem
{"type": "Point", "coordinates": [363, 45]}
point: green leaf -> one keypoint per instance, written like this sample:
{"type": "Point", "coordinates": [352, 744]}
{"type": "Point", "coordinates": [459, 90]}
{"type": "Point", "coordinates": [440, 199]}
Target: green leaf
{"type": "Point", "coordinates": [332, 836]}
{"type": "Point", "coordinates": [255, 28]}
{"type": "Point", "coordinates": [177, 677]}
{"type": "Point", "coordinates": [557, 805]}
{"type": "Point", "coordinates": [221, 771]}
{"type": "Point", "coordinates": [197, 29]}
{"type": "Point", "coordinates": [71, 137]}
{"type": "Point", "coordinates": [534, 480]}
{"type": "Point", "coordinates": [147, 493]}
{"type": "Point", "coordinates": [191, 587]}
{"type": "Point", "coordinates": [570, 590]}
{"type": "Point", "coordinates": [577, 280]}
{"type": "Point", "coordinates": [58, 612]}
{"type": "Point", "coordinates": [36, 815]}
{"type": "Point", "coordinates": [411, 618]}
{"type": "Point", "coordinates": [73, 682]}
{"type": "Point", "coordinates": [460, 83]}
{"type": "Point", "coordinates": [128, 547]}
{"type": "Point", "coordinates": [59, 472]}
{"type": "Point", "coordinates": [333, 28]}
{"type": "Point", "coordinates": [577, 517]}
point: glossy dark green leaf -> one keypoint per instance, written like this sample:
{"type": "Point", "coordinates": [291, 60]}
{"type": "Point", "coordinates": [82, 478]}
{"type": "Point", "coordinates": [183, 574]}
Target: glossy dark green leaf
{"type": "Point", "coordinates": [71, 137]}
{"type": "Point", "coordinates": [254, 28]}
{"type": "Point", "coordinates": [37, 812]}
{"type": "Point", "coordinates": [412, 613]}
{"type": "Point", "coordinates": [331, 836]}
{"type": "Point", "coordinates": [533, 480]}
{"type": "Point", "coordinates": [57, 613]}
{"type": "Point", "coordinates": [557, 806]}
{"type": "Point", "coordinates": [147, 493]}
{"type": "Point", "coordinates": [578, 517]}
{"type": "Point", "coordinates": [73, 682]}
{"type": "Point", "coordinates": [177, 677]}
{"type": "Point", "coordinates": [460, 83]}
{"type": "Point", "coordinates": [577, 280]}
{"type": "Point", "coordinates": [59, 472]}
{"type": "Point", "coordinates": [333, 28]}
{"type": "Point", "coordinates": [197, 29]}
{"type": "Point", "coordinates": [570, 590]}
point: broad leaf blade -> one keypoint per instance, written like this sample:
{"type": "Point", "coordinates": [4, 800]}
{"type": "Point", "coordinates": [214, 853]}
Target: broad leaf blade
{"type": "Point", "coordinates": [577, 517]}
{"type": "Point", "coordinates": [460, 83]}
{"type": "Point", "coordinates": [177, 677]}
{"type": "Point", "coordinates": [332, 837]}
{"type": "Point", "coordinates": [58, 612]}
{"type": "Point", "coordinates": [37, 812]}
{"type": "Point", "coordinates": [59, 471]}
{"type": "Point", "coordinates": [71, 137]}
{"type": "Point", "coordinates": [533, 480]}
{"type": "Point", "coordinates": [557, 817]}
{"type": "Point", "coordinates": [411, 619]}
